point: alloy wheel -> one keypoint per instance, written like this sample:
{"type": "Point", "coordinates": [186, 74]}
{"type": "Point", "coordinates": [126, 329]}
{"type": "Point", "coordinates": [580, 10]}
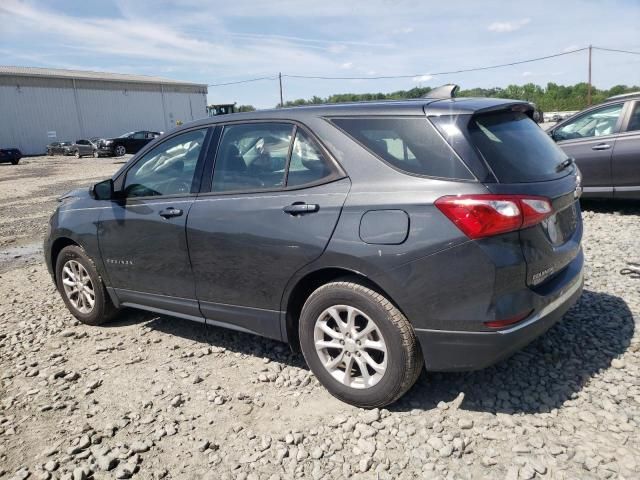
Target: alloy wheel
{"type": "Point", "coordinates": [120, 151]}
{"type": "Point", "coordinates": [350, 346]}
{"type": "Point", "coordinates": [78, 286]}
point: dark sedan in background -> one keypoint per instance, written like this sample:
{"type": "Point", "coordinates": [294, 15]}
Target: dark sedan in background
{"type": "Point", "coordinates": [604, 140]}
{"type": "Point", "coordinates": [10, 155]}
{"type": "Point", "coordinates": [130, 142]}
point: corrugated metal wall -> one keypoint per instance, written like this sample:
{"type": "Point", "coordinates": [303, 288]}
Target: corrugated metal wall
{"type": "Point", "coordinates": [28, 113]}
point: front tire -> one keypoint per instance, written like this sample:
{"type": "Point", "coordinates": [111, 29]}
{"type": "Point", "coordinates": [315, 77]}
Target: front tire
{"type": "Point", "coordinates": [96, 154]}
{"type": "Point", "coordinates": [359, 345]}
{"type": "Point", "coordinates": [78, 154]}
{"type": "Point", "coordinates": [15, 162]}
{"type": "Point", "coordinates": [119, 150]}
{"type": "Point", "coordinates": [81, 287]}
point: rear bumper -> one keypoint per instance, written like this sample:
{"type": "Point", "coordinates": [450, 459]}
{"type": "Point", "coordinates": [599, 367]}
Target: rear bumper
{"type": "Point", "coordinates": [472, 350]}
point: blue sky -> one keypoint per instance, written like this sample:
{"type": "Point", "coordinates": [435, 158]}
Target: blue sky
{"type": "Point", "coordinates": [223, 41]}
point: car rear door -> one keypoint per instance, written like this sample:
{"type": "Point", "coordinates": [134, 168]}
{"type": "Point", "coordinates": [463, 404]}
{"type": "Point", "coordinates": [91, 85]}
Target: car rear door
{"type": "Point", "coordinates": [274, 199]}
{"type": "Point", "coordinates": [142, 233]}
{"type": "Point", "coordinates": [590, 139]}
{"type": "Point", "coordinates": [626, 155]}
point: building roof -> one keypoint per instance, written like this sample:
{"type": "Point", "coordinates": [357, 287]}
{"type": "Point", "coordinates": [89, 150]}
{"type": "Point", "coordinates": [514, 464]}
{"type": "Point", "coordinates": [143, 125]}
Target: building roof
{"type": "Point", "coordinates": [88, 75]}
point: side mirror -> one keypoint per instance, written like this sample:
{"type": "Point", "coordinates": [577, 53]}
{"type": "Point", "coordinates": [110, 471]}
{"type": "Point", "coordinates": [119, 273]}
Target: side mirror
{"type": "Point", "coordinates": [102, 190]}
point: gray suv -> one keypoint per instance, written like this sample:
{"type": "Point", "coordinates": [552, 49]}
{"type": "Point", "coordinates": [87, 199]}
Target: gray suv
{"type": "Point", "coordinates": [376, 237]}
{"type": "Point", "coordinates": [605, 142]}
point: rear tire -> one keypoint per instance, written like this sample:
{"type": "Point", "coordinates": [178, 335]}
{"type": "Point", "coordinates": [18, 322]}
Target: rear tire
{"type": "Point", "coordinates": [378, 339]}
{"type": "Point", "coordinates": [82, 288]}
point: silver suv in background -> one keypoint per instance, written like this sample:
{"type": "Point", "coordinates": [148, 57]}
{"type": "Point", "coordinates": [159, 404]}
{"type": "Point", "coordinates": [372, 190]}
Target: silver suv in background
{"type": "Point", "coordinates": [605, 142]}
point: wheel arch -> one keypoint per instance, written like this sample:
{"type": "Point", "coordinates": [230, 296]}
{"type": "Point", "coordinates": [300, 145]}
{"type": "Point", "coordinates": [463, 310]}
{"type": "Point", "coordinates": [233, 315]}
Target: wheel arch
{"type": "Point", "coordinates": [56, 247]}
{"type": "Point", "coordinates": [307, 284]}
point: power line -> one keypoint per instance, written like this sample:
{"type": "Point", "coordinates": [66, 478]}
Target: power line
{"type": "Point", "coordinates": [616, 50]}
{"type": "Point", "coordinates": [243, 81]}
{"type": "Point", "coordinates": [433, 74]}
{"type": "Point", "coordinates": [465, 70]}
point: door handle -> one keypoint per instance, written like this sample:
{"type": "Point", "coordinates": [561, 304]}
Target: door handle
{"type": "Point", "coordinates": [170, 212]}
{"type": "Point", "coordinates": [300, 208]}
{"type": "Point", "coordinates": [601, 146]}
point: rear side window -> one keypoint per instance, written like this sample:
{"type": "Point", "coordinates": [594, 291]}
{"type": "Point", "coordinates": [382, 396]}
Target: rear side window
{"type": "Point", "coordinates": [307, 164]}
{"type": "Point", "coordinates": [408, 144]}
{"type": "Point", "coordinates": [516, 148]}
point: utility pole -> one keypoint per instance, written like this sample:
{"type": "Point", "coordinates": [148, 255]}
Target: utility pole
{"type": "Point", "coordinates": [589, 88]}
{"type": "Point", "coordinates": [280, 80]}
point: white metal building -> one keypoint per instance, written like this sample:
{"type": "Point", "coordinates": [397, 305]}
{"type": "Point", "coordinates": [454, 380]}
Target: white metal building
{"type": "Point", "coordinates": [42, 105]}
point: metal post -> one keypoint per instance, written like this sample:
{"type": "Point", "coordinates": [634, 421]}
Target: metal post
{"type": "Point", "coordinates": [589, 89]}
{"type": "Point", "coordinates": [280, 80]}
{"type": "Point", "coordinates": [164, 109]}
{"type": "Point", "coordinates": [78, 113]}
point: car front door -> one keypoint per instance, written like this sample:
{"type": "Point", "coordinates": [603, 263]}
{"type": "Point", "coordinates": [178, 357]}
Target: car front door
{"type": "Point", "coordinates": [142, 234]}
{"type": "Point", "coordinates": [136, 142]}
{"type": "Point", "coordinates": [275, 200]}
{"type": "Point", "coordinates": [590, 139]}
{"type": "Point", "coordinates": [626, 156]}
{"type": "Point", "coordinates": [82, 146]}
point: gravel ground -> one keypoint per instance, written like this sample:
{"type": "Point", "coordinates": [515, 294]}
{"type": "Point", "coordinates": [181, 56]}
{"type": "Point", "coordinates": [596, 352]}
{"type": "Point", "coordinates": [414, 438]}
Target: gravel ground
{"type": "Point", "coordinates": [154, 397]}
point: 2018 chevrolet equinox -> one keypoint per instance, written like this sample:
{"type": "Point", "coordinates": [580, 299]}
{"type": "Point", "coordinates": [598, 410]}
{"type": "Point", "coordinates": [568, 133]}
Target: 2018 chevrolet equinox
{"type": "Point", "coordinates": [377, 237]}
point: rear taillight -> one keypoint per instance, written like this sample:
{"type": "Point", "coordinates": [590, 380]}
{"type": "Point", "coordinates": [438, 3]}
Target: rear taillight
{"type": "Point", "coordinates": [481, 216]}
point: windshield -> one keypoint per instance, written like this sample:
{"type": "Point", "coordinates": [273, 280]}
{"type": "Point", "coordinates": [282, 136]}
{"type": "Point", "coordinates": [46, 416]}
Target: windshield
{"type": "Point", "coordinates": [516, 148]}
{"type": "Point", "coordinates": [126, 135]}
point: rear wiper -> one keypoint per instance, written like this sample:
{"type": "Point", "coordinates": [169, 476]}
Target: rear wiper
{"type": "Point", "coordinates": [564, 164]}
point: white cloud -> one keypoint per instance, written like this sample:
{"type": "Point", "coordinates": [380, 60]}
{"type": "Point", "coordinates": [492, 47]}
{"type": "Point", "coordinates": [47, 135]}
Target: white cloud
{"type": "Point", "coordinates": [403, 30]}
{"type": "Point", "coordinates": [510, 26]}
{"type": "Point", "coordinates": [422, 78]}
{"type": "Point", "coordinates": [571, 48]}
{"type": "Point", "coordinates": [526, 74]}
{"type": "Point", "coordinates": [143, 38]}
{"type": "Point", "coordinates": [346, 65]}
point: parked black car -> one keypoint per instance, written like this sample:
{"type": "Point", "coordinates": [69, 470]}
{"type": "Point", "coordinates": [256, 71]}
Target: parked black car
{"type": "Point", "coordinates": [82, 148]}
{"type": "Point", "coordinates": [60, 148]}
{"type": "Point", "coordinates": [130, 142]}
{"type": "Point", "coordinates": [10, 155]}
{"type": "Point", "coordinates": [605, 142]}
{"type": "Point", "coordinates": [374, 236]}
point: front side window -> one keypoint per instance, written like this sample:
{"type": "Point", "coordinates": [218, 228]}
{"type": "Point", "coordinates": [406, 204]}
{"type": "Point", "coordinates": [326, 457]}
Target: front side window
{"type": "Point", "coordinates": [252, 157]}
{"type": "Point", "coordinates": [409, 144]}
{"type": "Point", "coordinates": [597, 123]}
{"type": "Point", "coordinates": [308, 164]}
{"type": "Point", "coordinates": [138, 136]}
{"type": "Point", "coordinates": [167, 169]}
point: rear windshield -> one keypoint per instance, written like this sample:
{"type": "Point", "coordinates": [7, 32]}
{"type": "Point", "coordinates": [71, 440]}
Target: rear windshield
{"type": "Point", "coordinates": [516, 148]}
{"type": "Point", "coordinates": [410, 144]}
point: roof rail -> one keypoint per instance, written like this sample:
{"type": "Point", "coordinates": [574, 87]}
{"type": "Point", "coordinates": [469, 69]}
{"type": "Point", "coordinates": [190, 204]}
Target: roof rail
{"type": "Point", "coordinates": [445, 91]}
{"type": "Point", "coordinates": [623, 95]}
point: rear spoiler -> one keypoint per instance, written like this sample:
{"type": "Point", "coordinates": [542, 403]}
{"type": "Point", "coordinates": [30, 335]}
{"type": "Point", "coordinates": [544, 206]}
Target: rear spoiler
{"type": "Point", "coordinates": [459, 108]}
